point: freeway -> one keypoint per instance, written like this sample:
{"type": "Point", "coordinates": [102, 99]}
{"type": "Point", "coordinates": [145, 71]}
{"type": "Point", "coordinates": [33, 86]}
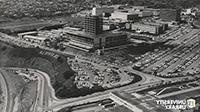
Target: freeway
{"type": "Point", "coordinates": [44, 90]}
{"type": "Point", "coordinates": [46, 99]}
{"type": "Point", "coordinates": [8, 101]}
{"type": "Point", "coordinates": [178, 92]}
{"type": "Point", "coordinates": [104, 95]}
{"type": "Point", "coordinates": [192, 38]}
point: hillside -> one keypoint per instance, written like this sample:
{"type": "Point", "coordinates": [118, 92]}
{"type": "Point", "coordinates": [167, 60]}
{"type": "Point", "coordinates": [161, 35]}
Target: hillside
{"type": "Point", "coordinates": [52, 8]}
{"type": "Point", "coordinates": [55, 65]}
{"type": "Point", "coordinates": [160, 3]}
{"type": "Point", "coordinates": [40, 8]}
{"type": "Point", "coordinates": [21, 92]}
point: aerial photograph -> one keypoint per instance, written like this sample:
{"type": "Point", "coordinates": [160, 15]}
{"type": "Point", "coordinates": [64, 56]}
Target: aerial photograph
{"type": "Point", "coordinates": [99, 55]}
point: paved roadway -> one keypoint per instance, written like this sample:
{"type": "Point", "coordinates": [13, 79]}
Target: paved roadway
{"type": "Point", "coordinates": [46, 99]}
{"type": "Point", "coordinates": [193, 36]}
{"type": "Point", "coordinates": [46, 94]}
{"type": "Point", "coordinates": [7, 97]}
{"type": "Point", "coordinates": [178, 92]}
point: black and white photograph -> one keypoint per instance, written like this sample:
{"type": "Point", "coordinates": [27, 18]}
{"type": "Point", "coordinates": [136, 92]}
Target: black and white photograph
{"type": "Point", "coordinates": [99, 55]}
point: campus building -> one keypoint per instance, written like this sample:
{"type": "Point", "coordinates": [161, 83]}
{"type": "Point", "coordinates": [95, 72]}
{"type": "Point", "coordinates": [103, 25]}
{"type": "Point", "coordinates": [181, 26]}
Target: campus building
{"type": "Point", "coordinates": [124, 16]}
{"type": "Point", "coordinates": [93, 36]}
{"type": "Point", "coordinates": [170, 14]}
{"type": "Point", "coordinates": [152, 28]}
{"type": "Point", "coordinates": [99, 11]}
{"type": "Point", "coordinates": [83, 40]}
{"type": "Point", "coordinates": [93, 25]}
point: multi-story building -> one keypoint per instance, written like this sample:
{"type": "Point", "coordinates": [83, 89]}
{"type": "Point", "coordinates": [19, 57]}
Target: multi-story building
{"type": "Point", "coordinates": [93, 37]}
{"type": "Point", "coordinates": [152, 28]}
{"type": "Point", "coordinates": [88, 41]}
{"type": "Point", "coordinates": [98, 11]}
{"type": "Point", "coordinates": [170, 14]}
{"type": "Point", "coordinates": [124, 16]}
{"type": "Point", "coordinates": [93, 25]}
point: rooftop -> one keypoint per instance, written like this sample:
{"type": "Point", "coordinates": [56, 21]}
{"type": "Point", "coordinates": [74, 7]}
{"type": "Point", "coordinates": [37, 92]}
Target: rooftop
{"type": "Point", "coordinates": [87, 35]}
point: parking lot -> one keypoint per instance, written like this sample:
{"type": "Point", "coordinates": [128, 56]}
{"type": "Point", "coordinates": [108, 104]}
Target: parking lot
{"type": "Point", "coordinates": [90, 73]}
{"type": "Point", "coordinates": [181, 60]}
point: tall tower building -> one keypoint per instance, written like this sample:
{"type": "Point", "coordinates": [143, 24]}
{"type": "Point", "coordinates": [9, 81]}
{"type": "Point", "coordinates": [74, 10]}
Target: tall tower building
{"type": "Point", "coordinates": [93, 25]}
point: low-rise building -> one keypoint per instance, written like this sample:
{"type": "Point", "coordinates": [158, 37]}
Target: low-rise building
{"type": "Point", "coordinates": [170, 14]}
{"type": "Point", "coordinates": [124, 16]}
{"type": "Point", "coordinates": [35, 39]}
{"type": "Point", "coordinates": [152, 28]}
{"type": "Point", "coordinates": [87, 41]}
{"type": "Point", "coordinates": [144, 13]}
{"type": "Point", "coordinates": [107, 27]}
{"type": "Point", "coordinates": [97, 11]}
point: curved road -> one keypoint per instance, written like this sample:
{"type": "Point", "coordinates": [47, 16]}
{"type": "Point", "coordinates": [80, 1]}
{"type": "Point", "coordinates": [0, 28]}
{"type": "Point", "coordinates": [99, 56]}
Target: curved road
{"type": "Point", "coordinates": [47, 101]}
{"type": "Point", "coordinates": [46, 98]}
{"type": "Point", "coordinates": [8, 102]}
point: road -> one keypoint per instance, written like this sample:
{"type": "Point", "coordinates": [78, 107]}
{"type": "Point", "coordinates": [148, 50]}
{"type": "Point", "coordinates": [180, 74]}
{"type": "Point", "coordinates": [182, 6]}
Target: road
{"type": "Point", "coordinates": [46, 99]}
{"type": "Point", "coordinates": [44, 90]}
{"type": "Point", "coordinates": [178, 92]}
{"type": "Point", "coordinates": [192, 38]}
{"type": "Point", "coordinates": [7, 97]}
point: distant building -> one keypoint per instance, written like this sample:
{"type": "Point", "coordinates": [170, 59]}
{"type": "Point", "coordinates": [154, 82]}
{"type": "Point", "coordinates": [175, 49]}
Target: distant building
{"type": "Point", "coordinates": [93, 25]}
{"type": "Point", "coordinates": [124, 16]}
{"type": "Point", "coordinates": [139, 8]}
{"type": "Point", "coordinates": [154, 11]}
{"type": "Point", "coordinates": [107, 27]}
{"type": "Point", "coordinates": [144, 13]}
{"type": "Point", "coordinates": [102, 11]}
{"type": "Point", "coordinates": [152, 28]}
{"type": "Point", "coordinates": [163, 26]}
{"type": "Point", "coordinates": [170, 14]}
